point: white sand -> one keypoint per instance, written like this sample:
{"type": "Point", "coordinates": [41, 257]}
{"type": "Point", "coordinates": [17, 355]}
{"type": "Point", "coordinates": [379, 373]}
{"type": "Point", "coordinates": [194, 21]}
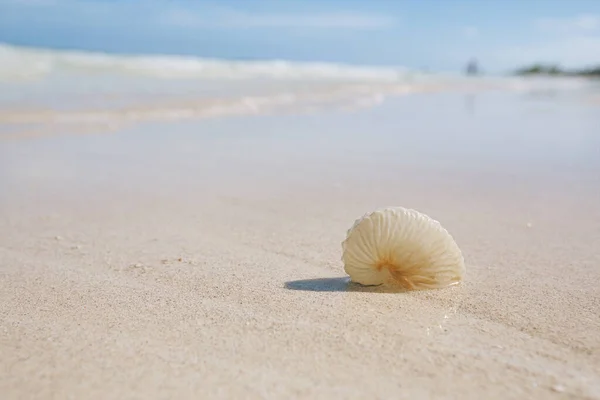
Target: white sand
{"type": "Point", "coordinates": [167, 263]}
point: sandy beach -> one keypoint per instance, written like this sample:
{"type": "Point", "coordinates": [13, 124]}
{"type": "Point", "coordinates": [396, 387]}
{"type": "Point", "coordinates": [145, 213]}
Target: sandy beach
{"type": "Point", "coordinates": [201, 259]}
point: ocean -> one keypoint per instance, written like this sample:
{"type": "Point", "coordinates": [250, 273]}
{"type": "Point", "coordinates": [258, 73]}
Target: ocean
{"type": "Point", "coordinates": [44, 90]}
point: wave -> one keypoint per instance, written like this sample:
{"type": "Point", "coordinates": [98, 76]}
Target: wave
{"type": "Point", "coordinates": [344, 97]}
{"type": "Point", "coordinates": [18, 63]}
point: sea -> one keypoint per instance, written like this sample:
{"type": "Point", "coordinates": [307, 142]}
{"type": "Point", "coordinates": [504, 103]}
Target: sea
{"type": "Point", "coordinates": [45, 90]}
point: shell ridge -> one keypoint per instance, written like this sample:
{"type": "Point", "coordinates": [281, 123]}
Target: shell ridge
{"type": "Point", "coordinates": [404, 247]}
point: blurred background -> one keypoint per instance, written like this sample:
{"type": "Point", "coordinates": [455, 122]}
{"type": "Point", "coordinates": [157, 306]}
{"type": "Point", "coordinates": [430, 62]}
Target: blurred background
{"type": "Point", "coordinates": [99, 64]}
{"type": "Point", "coordinates": [429, 34]}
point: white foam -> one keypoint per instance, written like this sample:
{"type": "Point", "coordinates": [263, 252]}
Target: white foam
{"type": "Point", "coordinates": [18, 63]}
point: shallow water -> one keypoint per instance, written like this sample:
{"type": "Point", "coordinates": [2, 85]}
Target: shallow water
{"type": "Point", "coordinates": [505, 135]}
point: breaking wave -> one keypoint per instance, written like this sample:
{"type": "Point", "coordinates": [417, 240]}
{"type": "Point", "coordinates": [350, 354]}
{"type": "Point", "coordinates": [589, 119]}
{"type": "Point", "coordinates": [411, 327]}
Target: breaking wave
{"type": "Point", "coordinates": [17, 63]}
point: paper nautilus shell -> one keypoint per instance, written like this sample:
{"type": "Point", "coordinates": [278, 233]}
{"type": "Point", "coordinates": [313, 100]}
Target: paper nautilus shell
{"type": "Point", "coordinates": [401, 247]}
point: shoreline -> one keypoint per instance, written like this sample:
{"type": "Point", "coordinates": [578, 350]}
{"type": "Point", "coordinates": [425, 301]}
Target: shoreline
{"type": "Point", "coordinates": [26, 121]}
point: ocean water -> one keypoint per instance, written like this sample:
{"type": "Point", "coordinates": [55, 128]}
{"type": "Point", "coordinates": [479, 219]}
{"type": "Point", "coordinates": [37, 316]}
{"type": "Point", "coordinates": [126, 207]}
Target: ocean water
{"type": "Point", "coordinates": [402, 126]}
{"type": "Point", "coordinates": [44, 91]}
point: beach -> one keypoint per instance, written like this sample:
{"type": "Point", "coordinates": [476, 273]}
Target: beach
{"type": "Point", "coordinates": [200, 257]}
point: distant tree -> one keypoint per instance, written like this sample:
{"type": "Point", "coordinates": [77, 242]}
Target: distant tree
{"type": "Point", "coordinates": [540, 69]}
{"type": "Point", "coordinates": [595, 72]}
{"type": "Point", "coordinates": [555, 70]}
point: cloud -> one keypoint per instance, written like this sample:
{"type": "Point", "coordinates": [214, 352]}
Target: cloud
{"type": "Point", "coordinates": [569, 52]}
{"type": "Point", "coordinates": [29, 2]}
{"type": "Point", "coordinates": [212, 15]}
{"type": "Point", "coordinates": [470, 32]}
{"type": "Point", "coordinates": [571, 42]}
{"type": "Point", "coordinates": [233, 19]}
{"type": "Point", "coordinates": [584, 23]}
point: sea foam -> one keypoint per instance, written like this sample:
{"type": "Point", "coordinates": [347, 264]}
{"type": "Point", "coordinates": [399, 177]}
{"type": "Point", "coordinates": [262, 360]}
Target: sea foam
{"type": "Point", "coordinates": [31, 63]}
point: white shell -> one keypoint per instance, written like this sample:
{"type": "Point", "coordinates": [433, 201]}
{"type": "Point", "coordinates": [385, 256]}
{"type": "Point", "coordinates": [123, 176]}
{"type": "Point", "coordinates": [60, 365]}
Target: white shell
{"type": "Point", "coordinates": [404, 247]}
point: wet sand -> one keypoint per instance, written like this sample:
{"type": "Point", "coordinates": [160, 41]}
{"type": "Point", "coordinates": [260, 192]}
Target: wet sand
{"type": "Point", "coordinates": [202, 259]}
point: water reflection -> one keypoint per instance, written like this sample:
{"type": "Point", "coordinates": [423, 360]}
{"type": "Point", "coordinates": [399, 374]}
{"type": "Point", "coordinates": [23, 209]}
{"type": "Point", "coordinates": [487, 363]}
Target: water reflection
{"type": "Point", "coordinates": [470, 103]}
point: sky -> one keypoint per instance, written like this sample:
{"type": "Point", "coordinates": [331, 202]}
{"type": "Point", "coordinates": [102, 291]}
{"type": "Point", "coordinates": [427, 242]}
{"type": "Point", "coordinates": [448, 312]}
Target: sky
{"type": "Point", "coordinates": [439, 35]}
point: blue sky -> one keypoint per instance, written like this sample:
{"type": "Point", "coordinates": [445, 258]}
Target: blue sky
{"type": "Point", "coordinates": [435, 34]}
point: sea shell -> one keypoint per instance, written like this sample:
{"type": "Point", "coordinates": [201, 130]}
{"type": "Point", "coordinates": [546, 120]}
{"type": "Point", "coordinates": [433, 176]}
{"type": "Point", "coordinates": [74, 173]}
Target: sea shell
{"type": "Point", "coordinates": [401, 247]}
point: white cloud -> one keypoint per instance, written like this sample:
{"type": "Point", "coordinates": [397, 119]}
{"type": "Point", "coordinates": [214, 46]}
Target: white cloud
{"type": "Point", "coordinates": [243, 20]}
{"type": "Point", "coordinates": [29, 2]}
{"type": "Point", "coordinates": [470, 32]}
{"type": "Point", "coordinates": [572, 43]}
{"type": "Point", "coordinates": [569, 52]}
{"type": "Point", "coordinates": [584, 23]}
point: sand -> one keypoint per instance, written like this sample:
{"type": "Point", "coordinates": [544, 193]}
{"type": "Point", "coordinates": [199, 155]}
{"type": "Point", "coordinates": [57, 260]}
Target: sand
{"type": "Point", "coordinates": [202, 259]}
